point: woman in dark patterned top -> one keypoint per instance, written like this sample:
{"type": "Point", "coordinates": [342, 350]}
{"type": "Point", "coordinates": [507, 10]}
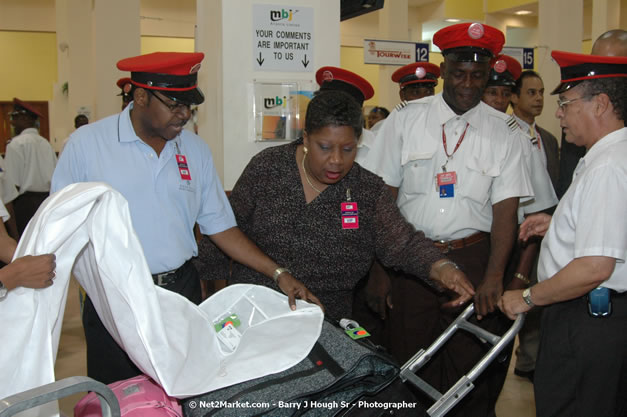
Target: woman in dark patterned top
{"type": "Point", "coordinates": [315, 212]}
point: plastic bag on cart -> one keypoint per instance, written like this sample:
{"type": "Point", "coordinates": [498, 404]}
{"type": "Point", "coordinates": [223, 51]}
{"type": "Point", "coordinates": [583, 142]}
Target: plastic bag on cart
{"type": "Point", "coordinates": [169, 338]}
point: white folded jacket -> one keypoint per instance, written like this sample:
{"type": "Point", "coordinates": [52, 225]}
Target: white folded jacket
{"type": "Point", "coordinates": [88, 227]}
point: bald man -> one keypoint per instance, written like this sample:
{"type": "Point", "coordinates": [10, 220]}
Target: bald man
{"type": "Point", "coordinates": [611, 43]}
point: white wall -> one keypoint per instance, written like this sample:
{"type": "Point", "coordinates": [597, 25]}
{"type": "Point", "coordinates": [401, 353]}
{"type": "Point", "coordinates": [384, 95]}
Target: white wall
{"type": "Point", "coordinates": [238, 73]}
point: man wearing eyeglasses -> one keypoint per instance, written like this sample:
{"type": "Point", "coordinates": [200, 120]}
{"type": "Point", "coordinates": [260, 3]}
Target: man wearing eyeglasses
{"type": "Point", "coordinates": [581, 368]}
{"type": "Point", "coordinates": [167, 175]}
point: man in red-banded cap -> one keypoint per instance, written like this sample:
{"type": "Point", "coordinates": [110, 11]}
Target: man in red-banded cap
{"type": "Point", "coordinates": [415, 80]}
{"type": "Point", "coordinates": [581, 368]}
{"type": "Point", "coordinates": [167, 175]}
{"type": "Point", "coordinates": [29, 162]}
{"type": "Point", "coordinates": [503, 75]}
{"type": "Point", "coordinates": [458, 173]}
{"type": "Point", "coordinates": [125, 86]}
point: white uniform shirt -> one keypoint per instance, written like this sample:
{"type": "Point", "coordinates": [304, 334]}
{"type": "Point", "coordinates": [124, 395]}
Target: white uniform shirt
{"type": "Point", "coordinates": [8, 192]}
{"type": "Point", "coordinates": [366, 142]}
{"type": "Point", "coordinates": [590, 219]}
{"type": "Point", "coordinates": [544, 196]}
{"type": "Point", "coordinates": [30, 161]}
{"type": "Point", "coordinates": [488, 164]}
{"type": "Point", "coordinates": [4, 214]}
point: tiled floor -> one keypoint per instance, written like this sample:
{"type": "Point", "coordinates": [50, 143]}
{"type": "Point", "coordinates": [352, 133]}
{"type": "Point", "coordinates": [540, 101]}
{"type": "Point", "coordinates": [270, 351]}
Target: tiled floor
{"type": "Point", "coordinates": [516, 398]}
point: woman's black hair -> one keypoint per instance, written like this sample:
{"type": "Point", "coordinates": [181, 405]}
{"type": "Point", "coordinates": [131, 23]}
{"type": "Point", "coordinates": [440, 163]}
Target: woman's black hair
{"type": "Point", "coordinates": [333, 108]}
{"type": "Point", "coordinates": [385, 112]}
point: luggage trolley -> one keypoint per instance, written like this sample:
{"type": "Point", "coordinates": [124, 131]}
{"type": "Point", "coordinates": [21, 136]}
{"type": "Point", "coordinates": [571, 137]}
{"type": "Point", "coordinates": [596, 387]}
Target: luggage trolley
{"type": "Point", "coordinates": [22, 401]}
{"type": "Point", "coordinates": [444, 402]}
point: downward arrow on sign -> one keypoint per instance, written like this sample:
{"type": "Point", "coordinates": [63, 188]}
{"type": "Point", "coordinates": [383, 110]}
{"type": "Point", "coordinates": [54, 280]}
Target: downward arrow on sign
{"type": "Point", "coordinates": [260, 60]}
{"type": "Point", "coordinates": [305, 62]}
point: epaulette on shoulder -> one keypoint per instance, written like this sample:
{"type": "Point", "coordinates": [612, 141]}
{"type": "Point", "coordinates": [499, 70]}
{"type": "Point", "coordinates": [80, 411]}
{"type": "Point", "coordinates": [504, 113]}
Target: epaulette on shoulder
{"type": "Point", "coordinates": [512, 123]}
{"type": "Point", "coordinates": [401, 105]}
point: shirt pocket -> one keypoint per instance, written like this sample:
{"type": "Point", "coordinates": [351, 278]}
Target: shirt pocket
{"type": "Point", "coordinates": [476, 182]}
{"type": "Point", "coordinates": [418, 175]}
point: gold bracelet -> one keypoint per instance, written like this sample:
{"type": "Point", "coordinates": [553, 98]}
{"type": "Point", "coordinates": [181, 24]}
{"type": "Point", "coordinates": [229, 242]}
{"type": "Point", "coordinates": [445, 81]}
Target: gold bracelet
{"type": "Point", "coordinates": [522, 277]}
{"type": "Point", "coordinates": [277, 272]}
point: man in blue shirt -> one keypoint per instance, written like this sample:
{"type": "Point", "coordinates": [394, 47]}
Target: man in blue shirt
{"type": "Point", "coordinates": [167, 175]}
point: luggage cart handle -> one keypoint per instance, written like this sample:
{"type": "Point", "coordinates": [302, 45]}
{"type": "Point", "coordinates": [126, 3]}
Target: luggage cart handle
{"type": "Point", "coordinates": [59, 389]}
{"type": "Point", "coordinates": [443, 403]}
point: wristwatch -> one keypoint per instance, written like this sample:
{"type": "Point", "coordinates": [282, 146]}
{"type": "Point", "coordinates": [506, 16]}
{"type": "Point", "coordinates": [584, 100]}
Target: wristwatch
{"type": "Point", "coordinates": [3, 291]}
{"type": "Point", "coordinates": [527, 297]}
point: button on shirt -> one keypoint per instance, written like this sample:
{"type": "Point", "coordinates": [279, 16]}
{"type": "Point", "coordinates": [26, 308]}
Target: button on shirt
{"type": "Point", "coordinates": [30, 161]}
{"type": "Point", "coordinates": [590, 219]}
{"type": "Point", "coordinates": [164, 207]}
{"type": "Point", "coordinates": [409, 153]}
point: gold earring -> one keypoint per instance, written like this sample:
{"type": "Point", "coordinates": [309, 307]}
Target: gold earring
{"type": "Point", "coordinates": [305, 149]}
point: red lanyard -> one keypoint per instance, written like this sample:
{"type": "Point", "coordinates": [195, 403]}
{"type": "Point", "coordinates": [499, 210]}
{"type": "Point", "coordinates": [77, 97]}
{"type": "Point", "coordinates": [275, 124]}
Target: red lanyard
{"type": "Point", "coordinates": [459, 142]}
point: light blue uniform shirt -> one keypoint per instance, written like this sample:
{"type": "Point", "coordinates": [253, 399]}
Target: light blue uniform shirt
{"type": "Point", "coordinates": [163, 206]}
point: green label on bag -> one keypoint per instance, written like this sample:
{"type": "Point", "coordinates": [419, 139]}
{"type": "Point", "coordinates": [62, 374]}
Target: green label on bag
{"type": "Point", "coordinates": [357, 333]}
{"type": "Point", "coordinates": [232, 319]}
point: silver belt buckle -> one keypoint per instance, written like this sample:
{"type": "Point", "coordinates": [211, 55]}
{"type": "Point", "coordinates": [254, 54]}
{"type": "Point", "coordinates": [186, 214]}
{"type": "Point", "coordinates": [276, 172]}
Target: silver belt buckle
{"type": "Point", "coordinates": [160, 278]}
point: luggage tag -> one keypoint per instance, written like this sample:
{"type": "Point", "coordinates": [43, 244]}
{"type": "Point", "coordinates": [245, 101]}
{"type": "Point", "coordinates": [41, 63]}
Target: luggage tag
{"type": "Point", "coordinates": [446, 184]}
{"type": "Point", "coordinates": [357, 333]}
{"type": "Point", "coordinates": [231, 319]}
{"type": "Point", "coordinates": [230, 336]}
{"type": "Point", "coordinates": [350, 213]}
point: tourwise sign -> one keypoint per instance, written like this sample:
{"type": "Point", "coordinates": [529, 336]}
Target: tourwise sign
{"type": "Point", "coordinates": [283, 38]}
{"type": "Point", "coordinates": [394, 52]}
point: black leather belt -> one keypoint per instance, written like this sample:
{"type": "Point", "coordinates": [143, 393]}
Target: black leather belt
{"type": "Point", "coordinates": [166, 278]}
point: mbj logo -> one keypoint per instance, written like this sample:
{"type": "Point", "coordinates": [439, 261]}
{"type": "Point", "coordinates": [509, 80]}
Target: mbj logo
{"type": "Point", "coordinates": [276, 15]}
{"type": "Point", "coordinates": [270, 103]}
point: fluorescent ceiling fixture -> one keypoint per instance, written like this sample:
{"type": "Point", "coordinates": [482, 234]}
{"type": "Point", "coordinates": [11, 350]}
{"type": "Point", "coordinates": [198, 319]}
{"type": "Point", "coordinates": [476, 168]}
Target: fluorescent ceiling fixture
{"type": "Point", "coordinates": [523, 12]}
{"type": "Point", "coordinates": [452, 20]}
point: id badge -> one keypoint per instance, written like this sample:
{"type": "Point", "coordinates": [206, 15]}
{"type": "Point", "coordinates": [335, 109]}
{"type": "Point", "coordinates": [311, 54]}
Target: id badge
{"type": "Point", "coordinates": [446, 184]}
{"type": "Point", "coordinates": [183, 169]}
{"type": "Point", "coordinates": [350, 215]}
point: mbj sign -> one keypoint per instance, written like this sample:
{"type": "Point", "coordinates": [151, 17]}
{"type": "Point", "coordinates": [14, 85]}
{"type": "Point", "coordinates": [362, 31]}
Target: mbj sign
{"type": "Point", "coordinates": [394, 52]}
{"type": "Point", "coordinates": [282, 38]}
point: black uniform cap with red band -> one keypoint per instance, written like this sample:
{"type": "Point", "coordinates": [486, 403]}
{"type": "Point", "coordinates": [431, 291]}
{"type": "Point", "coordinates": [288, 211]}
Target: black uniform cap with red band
{"type": "Point", "coordinates": [173, 74]}
{"type": "Point", "coordinates": [469, 42]}
{"type": "Point", "coordinates": [505, 71]}
{"type": "Point", "coordinates": [575, 68]}
{"type": "Point", "coordinates": [417, 72]}
{"type": "Point", "coordinates": [20, 107]}
{"type": "Point", "coordinates": [333, 78]}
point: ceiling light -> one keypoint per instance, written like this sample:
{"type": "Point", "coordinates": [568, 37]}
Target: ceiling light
{"type": "Point", "coordinates": [452, 20]}
{"type": "Point", "coordinates": [523, 12]}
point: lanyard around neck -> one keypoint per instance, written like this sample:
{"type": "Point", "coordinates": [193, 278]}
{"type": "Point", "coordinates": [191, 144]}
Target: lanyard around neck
{"type": "Point", "coordinates": [459, 142]}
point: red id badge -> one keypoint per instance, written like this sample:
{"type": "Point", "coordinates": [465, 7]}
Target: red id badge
{"type": "Point", "coordinates": [183, 169]}
{"type": "Point", "coordinates": [446, 178]}
{"type": "Point", "coordinates": [350, 215]}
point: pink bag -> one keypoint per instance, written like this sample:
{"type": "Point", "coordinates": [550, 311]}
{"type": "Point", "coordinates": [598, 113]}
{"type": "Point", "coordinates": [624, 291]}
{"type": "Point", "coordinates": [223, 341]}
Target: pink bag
{"type": "Point", "coordinates": [138, 396]}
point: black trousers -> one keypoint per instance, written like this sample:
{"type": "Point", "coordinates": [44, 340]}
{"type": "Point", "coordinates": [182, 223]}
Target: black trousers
{"type": "Point", "coordinates": [417, 320]}
{"type": "Point", "coordinates": [26, 206]}
{"type": "Point", "coordinates": [581, 369]}
{"type": "Point", "coordinates": [107, 362]}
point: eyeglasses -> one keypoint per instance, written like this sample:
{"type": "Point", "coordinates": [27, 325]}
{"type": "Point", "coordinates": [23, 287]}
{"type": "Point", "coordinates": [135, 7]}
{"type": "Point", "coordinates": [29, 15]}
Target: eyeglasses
{"type": "Point", "coordinates": [562, 103]}
{"type": "Point", "coordinates": [174, 107]}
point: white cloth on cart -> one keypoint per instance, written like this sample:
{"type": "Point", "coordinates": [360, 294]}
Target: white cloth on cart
{"type": "Point", "coordinates": [88, 227]}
